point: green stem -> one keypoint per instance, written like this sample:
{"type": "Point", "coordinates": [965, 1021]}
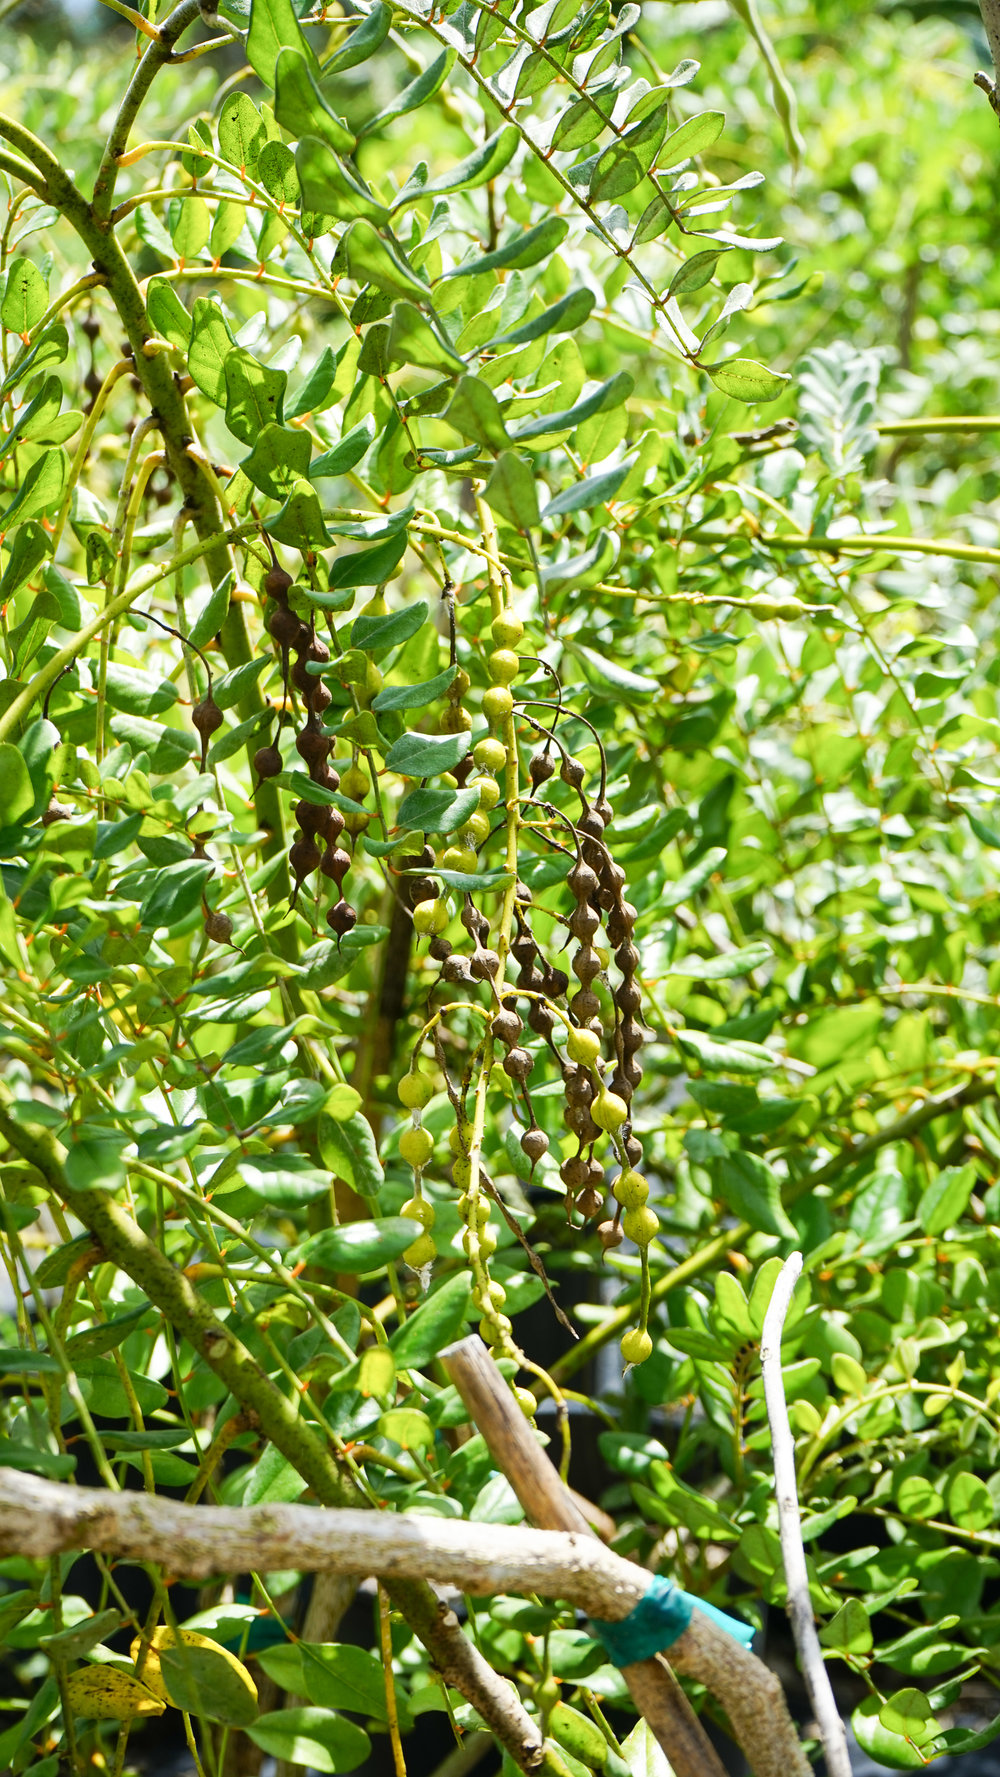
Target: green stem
{"type": "Point", "coordinates": [887, 543]}
{"type": "Point", "coordinates": [159, 52]}
{"type": "Point", "coordinates": [955, 422]}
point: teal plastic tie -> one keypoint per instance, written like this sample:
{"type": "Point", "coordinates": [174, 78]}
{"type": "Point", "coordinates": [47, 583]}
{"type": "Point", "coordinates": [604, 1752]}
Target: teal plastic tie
{"type": "Point", "coordinates": [657, 1621]}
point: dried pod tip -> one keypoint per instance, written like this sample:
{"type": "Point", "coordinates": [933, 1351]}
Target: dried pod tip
{"type": "Point", "coordinates": [572, 773]}
{"type": "Point", "coordinates": [342, 919]}
{"type": "Point", "coordinates": [207, 716]}
{"type": "Point", "coordinates": [218, 927]}
{"type": "Point", "coordinates": [267, 762]}
{"type": "Point", "coordinates": [590, 1203]}
{"type": "Point", "coordinates": [582, 881]}
{"type": "Point", "coordinates": [335, 863]}
{"type": "Point", "coordinates": [540, 768]}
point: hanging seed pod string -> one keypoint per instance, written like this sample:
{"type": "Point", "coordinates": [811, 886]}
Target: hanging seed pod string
{"type": "Point", "coordinates": [205, 715]}
{"type": "Point", "coordinates": [560, 710]}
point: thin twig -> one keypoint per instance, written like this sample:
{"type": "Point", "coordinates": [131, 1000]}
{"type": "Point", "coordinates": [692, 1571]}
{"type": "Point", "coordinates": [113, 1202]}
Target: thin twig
{"type": "Point", "coordinates": [793, 1554]}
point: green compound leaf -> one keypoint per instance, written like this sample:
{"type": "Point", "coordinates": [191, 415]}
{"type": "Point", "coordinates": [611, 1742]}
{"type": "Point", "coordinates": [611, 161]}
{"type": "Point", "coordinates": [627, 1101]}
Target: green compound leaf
{"type": "Point", "coordinates": [527, 249]}
{"type": "Point", "coordinates": [564, 316]}
{"type": "Point", "coordinates": [254, 395]}
{"type": "Point", "coordinates": [387, 631]}
{"type": "Point", "coordinates": [280, 456]}
{"type": "Point", "coordinates": [511, 491]}
{"type": "Point", "coordinates": [425, 755]}
{"type": "Point", "coordinates": [25, 297]}
{"type": "Point", "coordinates": [696, 272]}
{"type": "Point", "coordinates": [415, 697]}
{"type": "Point", "coordinates": [611, 393]}
{"type": "Point", "coordinates": [946, 1198]}
{"type": "Point", "coordinates": [317, 1738]}
{"type": "Point", "coordinates": [414, 339]}
{"type": "Point", "coordinates": [474, 412]}
{"type": "Point", "coordinates": [347, 1146]}
{"type": "Point", "coordinates": [168, 314]}
{"type": "Point", "coordinates": [363, 41]}
{"type": "Point", "coordinates": [416, 93]}
{"type": "Point", "coordinates": [211, 343]}
{"type": "Point", "coordinates": [332, 189]}
{"type": "Point", "coordinates": [368, 567]}
{"type": "Point", "coordinates": [746, 380]}
{"type": "Point", "coordinates": [478, 168]}
{"type": "Point", "coordinates": [27, 550]}
{"type": "Point", "coordinates": [300, 521]}
{"type": "Point", "coordinates": [16, 794]}
{"type": "Point", "coordinates": [693, 137]}
{"type": "Point", "coordinates": [436, 1323]}
{"type": "Point", "coordinates": [50, 347]}
{"type": "Point", "coordinates": [346, 454]}
{"type": "Point", "coordinates": [300, 107]}
{"type": "Point", "coordinates": [40, 491]}
{"type": "Point", "coordinates": [436, 811]}
{"type": "Point", "coordinates": [242, 132]}
{"type": "Point", "coordinates": [367, 258]}
{"type": "Point", "coordinates": [274, 27]}
{"type": "Point", "coordinates": [357, 1247]}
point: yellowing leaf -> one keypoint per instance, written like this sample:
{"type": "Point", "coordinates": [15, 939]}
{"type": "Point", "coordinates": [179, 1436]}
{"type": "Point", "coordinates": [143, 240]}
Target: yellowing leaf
{"type": "Point", "coordinates": [105, 1693]}
{"type": "Point", "coordinates": [195, 1674]}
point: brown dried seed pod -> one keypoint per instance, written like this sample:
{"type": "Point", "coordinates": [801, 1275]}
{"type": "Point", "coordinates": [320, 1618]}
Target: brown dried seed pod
{"type": "Point", "coordinates": [582, 881]}
{"type": "Point", "coordinates": [91, 326]}
{"type": "Point", "coordinates": [621, 1086]}
{"type": "Point", "coordinates": [518, 1063]}
{"type": "Point", "coordinates": [540, 768]}
{"type": "Point", "coordinates": [507, 1027]}
{"type": "Point", "coordinates": [267, 762]}
{"type": "Point", "coordinates": [633, 1036]}
{"type": "Point", "coordinates": [633, 1149]}
{"type": "Point", "coordinates": [621, 922]}
{"type": "Point", "coordinates": [541, 1018]}
{"type": "Point", "coordinates": [534, 1143]}
{"type": "Point", "coordinates": [313, 746]}
{"type": "Point", "coordinates": [317, 651]}
{"type": "Point", "coordinates": [456, 969]}
{"type": "Point", "coordinates": [628, 998]}
{"type": "Point", "coordinates": [284, 627]}
{"type": "Point", "coordinates": [56, 811]}
{"type": "Point", "coordinates": [218, 927]}
{"type": "Point", "coordinates": [335, 863]}
{"type": "Point", "coordinates": [334, 824]}
{"type": "Point", "coordinates": [320, 697]}
{"type": "Point", "coordinates": [475, 923]}
{"type": "Point", "coordinates": [586, 964]}
{"type": "Point", "coordinates": [580, 1087]}
{"type": "Point", "coordinates": [574, 1173]}
{"type": "Point", "coordinates": [554, 982]}
{"type": "Point", "coordinates": [590, 1203]}
{"type": "Point", "coordinates": [610, 1235]}
{"type": "Point", "coordinates": [590, 824]}
{"type": "Point", "coordinates": [605, 810]}
{"type": "Point", "coordinates": [302, 679]}
{"type": "Point", "coordinates": [312, 817]}
{"type": "Point", "coordinates": [278, 584]}
{"type": "Point", "coordinates": [342, 919]}
{"type": "Point", "coordinates": [627, 958]}
{"type": "Point", "coordinates": [572, 773]}
{"type": "Point", "coordinates": [440, 949]}
{"type": "Point", "coordinates": [421, 888]}
{"type": "Point", "coordinates": [522, 893]}
{"type": "Point", "coordinates": [633, 1072]}
{"type": "Point", "coordinates": [304, 857]}
{"type": "Point", "coordinates": [524, 949]}
{"type": "Point", "coordinates": [585, 1005]}
{"type": "Point", "coordinates": [584, 922]}
{"type": "Point", "coordinates": [207, 717]}
{"type": "Point", "coordinates": [578, 1119]}
{"type": "Point", "coordinates": [484, 963]}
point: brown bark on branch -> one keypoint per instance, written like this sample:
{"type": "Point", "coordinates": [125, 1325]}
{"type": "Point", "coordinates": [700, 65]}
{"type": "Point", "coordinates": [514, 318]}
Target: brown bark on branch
{"type": "Point", "coordinates": [750, 1694]}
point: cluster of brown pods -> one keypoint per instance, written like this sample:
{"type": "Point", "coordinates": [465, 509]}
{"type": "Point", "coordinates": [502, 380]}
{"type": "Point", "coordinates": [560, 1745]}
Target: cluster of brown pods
{"type": "Point", "coordinates": [319, 825]}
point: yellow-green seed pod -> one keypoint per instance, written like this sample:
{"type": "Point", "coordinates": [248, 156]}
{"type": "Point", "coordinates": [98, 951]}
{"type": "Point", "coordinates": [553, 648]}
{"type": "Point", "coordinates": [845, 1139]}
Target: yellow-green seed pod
{"type": "Point", "coordinates": [476, 829]}
{"type": "Point", "coordinates": [503, 666]}
{"type": "Point", "coordinates": [640, 1225]}
{"type": "Point", "coordinates": [422, 1252]}
{"type": "Point", "coordinates": [507, 629]}
{"type": "Point", "coordinates": [583, 1046]}
{"type": "Point", "coordinates": [415, 1090]}
{"type": "Point", "coordinates": [416, 1146]}
{"type": "Point", "coordinates": [461, 1171]}
{"type": "Point", "coordinates": [631, 1189]}
{"type": "Point", "coordinates": [461, 859]}
{"type": "Point", "coordinates": [636, 1346]}
{"type": "Point", "coordinates": [608, 1110]}
{"type": "Point", "coordinates": [526, 1401]}
{"type": "Point", "coordinates": [490, 754]}
{"type": "Point", "coordinates": [430, 917]}
{"type": "Point", "coordinates": [497, 705]}
{"type": "Point", "coordinates": [489, 792]}
{"type": "Point", "coordinates": [419, 1210]}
